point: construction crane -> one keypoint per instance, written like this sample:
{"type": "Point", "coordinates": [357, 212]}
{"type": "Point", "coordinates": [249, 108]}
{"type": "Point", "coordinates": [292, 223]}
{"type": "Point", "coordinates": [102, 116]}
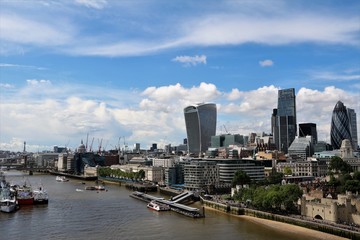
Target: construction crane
{"type": "Point", "coordinates": [100, 146]}
{"type": "Point", "coordinates": [87, 138]}
{"type": "Point", "coordinates": [92, 141]}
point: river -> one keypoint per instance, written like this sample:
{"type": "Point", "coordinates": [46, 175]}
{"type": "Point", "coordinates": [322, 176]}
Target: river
{"type": "Point", "coordinates": [112, 214]}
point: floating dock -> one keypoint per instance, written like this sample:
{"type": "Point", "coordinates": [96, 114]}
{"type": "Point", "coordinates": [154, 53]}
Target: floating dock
{"type": "Point", "coordinates": [176, 207]}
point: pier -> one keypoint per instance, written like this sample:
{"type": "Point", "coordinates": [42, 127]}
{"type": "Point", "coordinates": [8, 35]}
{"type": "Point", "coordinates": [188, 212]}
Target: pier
{"type": "Point", "coordinates": [176, 207]}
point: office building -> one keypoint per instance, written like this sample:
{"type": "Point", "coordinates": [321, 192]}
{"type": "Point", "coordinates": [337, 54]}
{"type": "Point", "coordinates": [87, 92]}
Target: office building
{"type": "Point", "coordinates": [340, 125]}
{"type": "Point", "coordinates": [353, 128]}
{"type": "Point", "coordinates": [200, 123]}
{"type": "Point", "coordinates": [283, 120]}
{"type": "Point", "coordinates": [308, 129]}
{"type": "Point", "coordinates": [301, 148]}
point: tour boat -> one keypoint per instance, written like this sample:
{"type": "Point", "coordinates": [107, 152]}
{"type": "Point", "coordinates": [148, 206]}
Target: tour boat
{"type": "Point", "coordinates": [61, 179]}
{"type": "Point", "coordinates": [158, 206]}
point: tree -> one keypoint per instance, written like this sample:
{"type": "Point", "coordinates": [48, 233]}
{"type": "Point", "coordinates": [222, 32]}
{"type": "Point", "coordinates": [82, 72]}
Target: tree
{"type": "Point", "coordinates": [287, 170]}
{"type": "Point", "coordinates": [352, 186]}
{"type": "Point", "coordinates": [141, 174]}
{"type": "Point", "coordinates": [240, 178]}
{"type": "Point", "coordinates": [275, 178]}
{"type": "Point", "coordinates": [339, 165]}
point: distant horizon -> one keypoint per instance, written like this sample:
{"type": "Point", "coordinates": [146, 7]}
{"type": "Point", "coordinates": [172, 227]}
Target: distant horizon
{"type": "Point", "coordinates": [127, 69]}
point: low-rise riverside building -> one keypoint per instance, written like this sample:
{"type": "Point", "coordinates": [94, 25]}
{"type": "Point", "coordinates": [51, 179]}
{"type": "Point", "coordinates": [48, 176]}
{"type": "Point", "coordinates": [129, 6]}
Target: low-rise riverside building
{"type": "Point", "coordinates": [198, 174]}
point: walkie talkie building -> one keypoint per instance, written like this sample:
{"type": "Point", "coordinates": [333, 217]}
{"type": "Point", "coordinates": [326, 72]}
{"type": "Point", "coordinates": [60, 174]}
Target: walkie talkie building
{"type": "Point", "coordinates": [200, 123]}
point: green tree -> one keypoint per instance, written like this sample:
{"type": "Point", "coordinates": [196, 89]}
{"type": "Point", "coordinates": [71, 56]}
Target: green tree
{"type": "Point", "coordinates": [337, 164]}
{"type": "Point", "coordinates": [356, 175]}
{"type": "Point", "coordinates": [141, 174]}
{"type": "Point", "coordinates": [240, 178]}
{"type": "Point", "coordinates": [275, 178]}
{"type": "Point", "coordinates": [352, 186]}
{"type": "Point", "coordinates": [287, 170]}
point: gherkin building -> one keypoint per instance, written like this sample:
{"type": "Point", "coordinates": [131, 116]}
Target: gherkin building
{"type": "Point", "coordinates": [340, 125]}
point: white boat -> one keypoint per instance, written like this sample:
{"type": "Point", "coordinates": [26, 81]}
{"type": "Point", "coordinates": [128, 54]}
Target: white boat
{"type": "Point", "coordinates": [8, 205]}
{"type": "Point", "coordinates": [40, 196]}
{"type": "Point", "coordinates": [79, 190]}
{"type": "Point", "coordinates": [61, 179]}
{"type": "Point", "coordinates": [158, 206]}
{"type": "Point", "coordinates": [8, 201]}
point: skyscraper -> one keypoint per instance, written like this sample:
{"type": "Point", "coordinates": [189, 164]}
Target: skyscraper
{"type": "Point", "coordinates": [353, 128]}
{"type": "Point", "coordinates": [283, 119]}
{"type": "Point", "coordinates": [343, 126]}
{"type": "Point", "coordinates": [308, 129]}
{"type": "Point", "coordinates": [200, 123]}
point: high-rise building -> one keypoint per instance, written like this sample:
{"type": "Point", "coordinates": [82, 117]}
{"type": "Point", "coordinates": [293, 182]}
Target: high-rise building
{"type": "Point", "coordinates": [200, 123]}
{"type": "Point", "coordinates": [308, 129]}
{"type": "Point", "coordinates": [353, 128]}
{"type": "Point", "coordinates": [343, 126]}
{"type": "Point", "coordinates": [283, 120]}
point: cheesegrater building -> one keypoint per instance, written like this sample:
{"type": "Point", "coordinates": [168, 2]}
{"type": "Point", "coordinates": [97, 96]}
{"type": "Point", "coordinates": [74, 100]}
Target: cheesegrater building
{"type": "Point", "coordinates": [200, 121]}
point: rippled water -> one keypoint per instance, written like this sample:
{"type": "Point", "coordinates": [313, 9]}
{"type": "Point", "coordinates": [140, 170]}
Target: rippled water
{"type": "Point", "coordinates": [113, 214]}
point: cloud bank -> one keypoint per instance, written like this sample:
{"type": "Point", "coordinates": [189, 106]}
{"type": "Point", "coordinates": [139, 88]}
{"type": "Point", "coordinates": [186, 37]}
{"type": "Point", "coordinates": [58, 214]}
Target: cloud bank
{"type": "Point", "coordinates": [155, 117]}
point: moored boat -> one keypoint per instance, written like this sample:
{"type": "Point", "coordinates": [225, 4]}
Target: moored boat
{"type": "Point", "coordinates": [158, 206]}
{"type": "Point", "coordinates": [40, 196]}
{"type": "Point", "coordinates": [8, 205]}
{"type": "Point", "coordinates": [24, 196]}
{"type": "Point", "coordinates": [8, 201]}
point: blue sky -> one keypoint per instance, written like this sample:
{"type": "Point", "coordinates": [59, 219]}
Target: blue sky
{"type": "Point", "coordinates": [126, 69]}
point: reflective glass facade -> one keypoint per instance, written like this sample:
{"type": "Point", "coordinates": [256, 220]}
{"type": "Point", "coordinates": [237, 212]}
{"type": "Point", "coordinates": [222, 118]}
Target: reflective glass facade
{"type": "Point", "coordinates": [340, 125]}
{"type": "Point", "coordinates": [200, 121]}
{"type": "Point", "coordinates": [353, 128]}
{"type": "Point", "coordinates": [283, 120]}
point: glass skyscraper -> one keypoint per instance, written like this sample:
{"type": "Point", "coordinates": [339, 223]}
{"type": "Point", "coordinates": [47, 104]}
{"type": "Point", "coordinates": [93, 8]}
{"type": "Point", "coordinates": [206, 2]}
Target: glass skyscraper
{"type": "Point", "coordinates": [353, 128]}
{"type": "Point", "coordinates": [283, 120]}
{"type": "Point", "coordinates": [200, 123]}
{"type": "Point", "coordinates": [343, 126]}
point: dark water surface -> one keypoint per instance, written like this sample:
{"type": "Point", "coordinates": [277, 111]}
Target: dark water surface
{"type": "Point", "coordinates": [113, 214]}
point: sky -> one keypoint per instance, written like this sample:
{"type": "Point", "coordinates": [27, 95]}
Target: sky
{"type": "Point", "coordinates": [115, 73]}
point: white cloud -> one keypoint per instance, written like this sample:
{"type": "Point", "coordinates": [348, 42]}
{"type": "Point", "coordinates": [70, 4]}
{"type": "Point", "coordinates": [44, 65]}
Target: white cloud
{"type": "Point", "coordinates": [9, 65]}
{"type": "Point", "coordinates": [266, 63]}
{"type": "Point", "coordinates": [345, 76]}
{"type": "Point", "coordinates": [35, 82]}
{"type": "Point", "coordinates": [27, 30]}
{"type": "Point", "coordinates": [188, 60]}
{"type": "Point", "coordinates": [135, 35]}
{"type": "Point", "coordinates": [154, 115]}
{"type": "Point", "coordinates": [97, 4]}
{"type": "Point", "coordinates": [6, 85]}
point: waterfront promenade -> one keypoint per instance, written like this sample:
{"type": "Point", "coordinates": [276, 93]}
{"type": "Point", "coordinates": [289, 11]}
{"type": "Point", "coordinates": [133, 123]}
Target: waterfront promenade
{"type": "Point", "coordinates": [285, 221]}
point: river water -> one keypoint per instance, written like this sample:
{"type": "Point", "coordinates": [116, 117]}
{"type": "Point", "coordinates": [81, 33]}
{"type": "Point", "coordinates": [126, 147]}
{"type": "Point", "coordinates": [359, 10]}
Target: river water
{"type": "Point", "coordinates": [112, 214]}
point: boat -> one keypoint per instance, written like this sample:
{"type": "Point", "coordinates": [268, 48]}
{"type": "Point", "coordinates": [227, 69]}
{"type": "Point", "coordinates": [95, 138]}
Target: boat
{"type": "Point", "coordinates": [40, 196]}
{"type": "Point", "coordinates": [90, 188]}
{"type": "Point", "coordinates": [158, 206]}
{"type": "Point", "coordinates": [61, 179]}
{"type": "Point", "coordinates": [8, 205]}
{"type": "Point", "coordinates": [79, 190]}
{"type": "Point", "coordinates": [8, 201]}
{"type": "Point", "coordinates": [24, 195]}
{"type": "Point", "coordinates": [99, 187]}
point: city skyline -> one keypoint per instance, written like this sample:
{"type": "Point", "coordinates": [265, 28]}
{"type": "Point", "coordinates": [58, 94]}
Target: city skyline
{"type": "Point", "coordinates": [113, 69]}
